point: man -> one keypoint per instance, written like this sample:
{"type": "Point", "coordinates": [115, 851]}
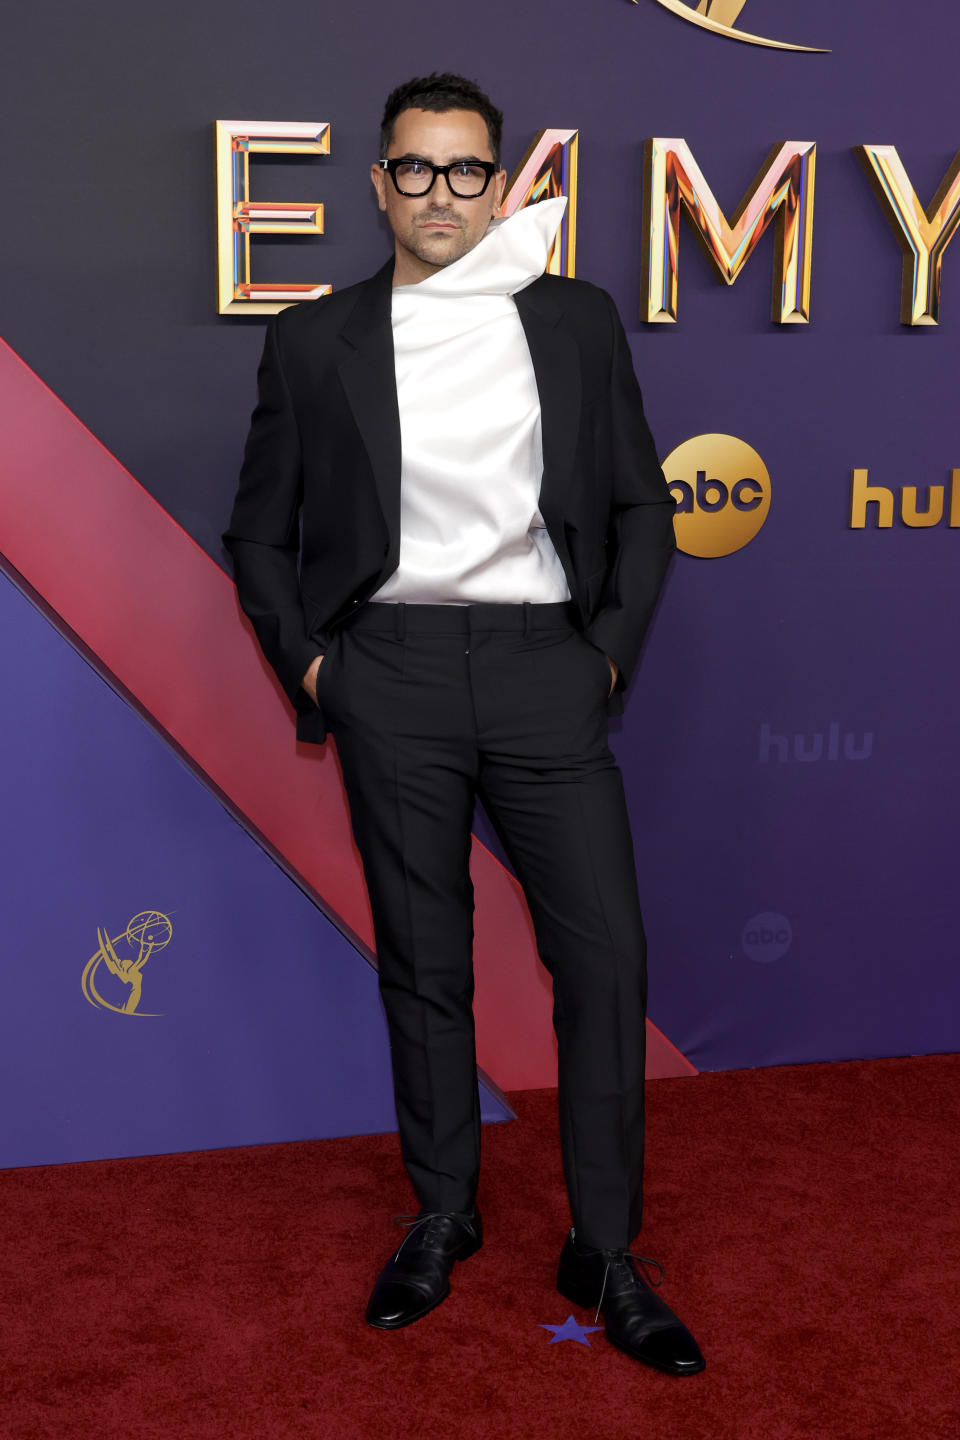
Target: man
{"type": "Point", "coordinates": [485, 530]}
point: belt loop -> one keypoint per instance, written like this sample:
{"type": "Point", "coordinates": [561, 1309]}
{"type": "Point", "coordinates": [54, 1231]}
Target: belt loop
{"type": "Point", "coordinates": [401, 618]}
{"type": "Point", "coordinates": [527, 617]}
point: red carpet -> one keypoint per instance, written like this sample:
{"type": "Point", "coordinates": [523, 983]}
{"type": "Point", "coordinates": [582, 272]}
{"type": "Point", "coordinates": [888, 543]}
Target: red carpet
{"type": "Point", "coordinates": [807, 1218]}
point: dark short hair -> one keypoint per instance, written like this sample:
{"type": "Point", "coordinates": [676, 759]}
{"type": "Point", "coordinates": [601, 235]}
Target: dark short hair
{"type": "Point", "coordinates": [440, 92]}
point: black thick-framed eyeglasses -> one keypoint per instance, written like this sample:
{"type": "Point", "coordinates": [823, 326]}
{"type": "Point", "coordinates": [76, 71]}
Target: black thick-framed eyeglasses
{"type": "Point", "coordinates": [467, 179]}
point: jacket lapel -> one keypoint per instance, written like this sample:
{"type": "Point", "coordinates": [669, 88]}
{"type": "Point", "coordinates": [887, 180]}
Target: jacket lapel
{"type": "Point", "coordinates": [369, 382]}
{"type": "Point", "coordinates": [556, 366]}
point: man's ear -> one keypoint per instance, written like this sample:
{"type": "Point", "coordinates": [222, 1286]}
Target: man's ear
{"type": "Point", "coordinates": [499, 185]}
{"type": "Point", "coordinates": [378, 177]}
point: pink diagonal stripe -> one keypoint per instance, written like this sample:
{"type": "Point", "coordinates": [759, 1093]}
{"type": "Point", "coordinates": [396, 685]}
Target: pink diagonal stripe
{"type": "Point", "coordinates": [163, 619]}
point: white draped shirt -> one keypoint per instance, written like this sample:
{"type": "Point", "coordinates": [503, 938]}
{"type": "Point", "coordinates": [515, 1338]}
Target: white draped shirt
{"type": "Point", "coordinates": [471, 449]}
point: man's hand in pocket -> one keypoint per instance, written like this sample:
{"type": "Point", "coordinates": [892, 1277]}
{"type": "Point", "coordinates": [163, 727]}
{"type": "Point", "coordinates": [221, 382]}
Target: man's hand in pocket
{"type": "Point", "coordinates": [309, 681]}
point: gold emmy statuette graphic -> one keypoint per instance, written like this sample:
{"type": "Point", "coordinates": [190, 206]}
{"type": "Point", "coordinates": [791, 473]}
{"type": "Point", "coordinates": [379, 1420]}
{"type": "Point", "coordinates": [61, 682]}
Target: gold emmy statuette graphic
{"type": "Point", "coordinates": [124, 957]}
{"type": "Point", "coordinates": [722, 490]}
{"type": "Point", "coordinates": [720, 16]}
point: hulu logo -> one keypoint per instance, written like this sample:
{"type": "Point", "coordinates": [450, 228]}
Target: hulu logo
{"type": "Point", "coordinates": [874, 506]}
{"type": "Point", "coordinates": [827, 744]}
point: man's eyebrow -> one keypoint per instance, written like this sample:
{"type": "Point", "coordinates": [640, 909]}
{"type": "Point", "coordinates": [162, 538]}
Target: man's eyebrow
{"type": "Point", "coordinates": [410, 155]}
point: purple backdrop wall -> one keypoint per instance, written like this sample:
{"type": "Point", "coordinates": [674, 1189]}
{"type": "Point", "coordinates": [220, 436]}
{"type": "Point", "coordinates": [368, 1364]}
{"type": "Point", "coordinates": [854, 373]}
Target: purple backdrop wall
{"type": "Point", "coordinates": [798, 909]}
{"type": "Point", "coordinates": [257, 1022]}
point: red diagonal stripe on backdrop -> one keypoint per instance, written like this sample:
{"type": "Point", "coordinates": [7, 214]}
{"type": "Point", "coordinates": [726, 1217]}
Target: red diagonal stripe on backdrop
{"type": "Point", "coordinates": [162, 618]}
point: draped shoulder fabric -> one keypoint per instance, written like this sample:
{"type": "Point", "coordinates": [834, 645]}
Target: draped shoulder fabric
{"type": "Point", "coordinates": [472, 458]}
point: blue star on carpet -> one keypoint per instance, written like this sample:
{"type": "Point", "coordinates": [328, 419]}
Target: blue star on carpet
{"type": "Point", "coordinates": [570, 1330]}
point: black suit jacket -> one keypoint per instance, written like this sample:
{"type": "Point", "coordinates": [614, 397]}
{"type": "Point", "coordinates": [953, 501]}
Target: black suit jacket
{"type": "Point", "coordinates": [320, 481]}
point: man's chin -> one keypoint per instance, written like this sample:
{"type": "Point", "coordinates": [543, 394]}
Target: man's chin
{"type": "Point", "coordinates": [441, 248]}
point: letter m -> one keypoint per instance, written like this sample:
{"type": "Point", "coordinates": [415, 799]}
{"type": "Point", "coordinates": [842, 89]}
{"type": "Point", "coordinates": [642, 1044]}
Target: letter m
{"type": "Point", "coordinates": [782, 191]}
{"type": "Point", "coordinates": [548, 170]}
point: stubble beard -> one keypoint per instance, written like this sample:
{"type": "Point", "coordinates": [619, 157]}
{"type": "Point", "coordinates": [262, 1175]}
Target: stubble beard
{"type": "Point", "coordinates": [440, 248]}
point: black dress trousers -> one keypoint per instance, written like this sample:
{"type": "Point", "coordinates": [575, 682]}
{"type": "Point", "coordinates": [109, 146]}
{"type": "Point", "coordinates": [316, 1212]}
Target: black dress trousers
{"type": "Point", "coordinates": [430, 706]}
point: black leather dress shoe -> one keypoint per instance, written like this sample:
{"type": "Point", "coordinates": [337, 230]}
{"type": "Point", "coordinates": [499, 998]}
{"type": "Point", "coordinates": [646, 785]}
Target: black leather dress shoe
{"type": "Point", "coordinates": [417, 1277]}
{"type": "Point", "coordinates": [636, 1320]}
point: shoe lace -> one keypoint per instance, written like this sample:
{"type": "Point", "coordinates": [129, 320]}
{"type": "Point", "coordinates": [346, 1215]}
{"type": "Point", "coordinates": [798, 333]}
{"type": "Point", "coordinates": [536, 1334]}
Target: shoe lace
{"type": "Point", "coordinates": [618, 1260]}
{"type": "Point", "coordinates": [412, 1223]}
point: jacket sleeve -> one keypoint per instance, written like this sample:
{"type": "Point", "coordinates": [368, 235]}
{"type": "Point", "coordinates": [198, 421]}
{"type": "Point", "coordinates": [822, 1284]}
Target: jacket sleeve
{"type": "Point", "coordinates": [263, 537]}
{"type": "Point", "coordinates": [642, 538]}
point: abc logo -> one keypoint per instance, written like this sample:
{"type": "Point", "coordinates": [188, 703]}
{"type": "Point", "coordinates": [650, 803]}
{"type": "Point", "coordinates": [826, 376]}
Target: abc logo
{"type": "Point", "coordinates": [768, 936]}
{"type": "Point", "coordinates": [722, 490]}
